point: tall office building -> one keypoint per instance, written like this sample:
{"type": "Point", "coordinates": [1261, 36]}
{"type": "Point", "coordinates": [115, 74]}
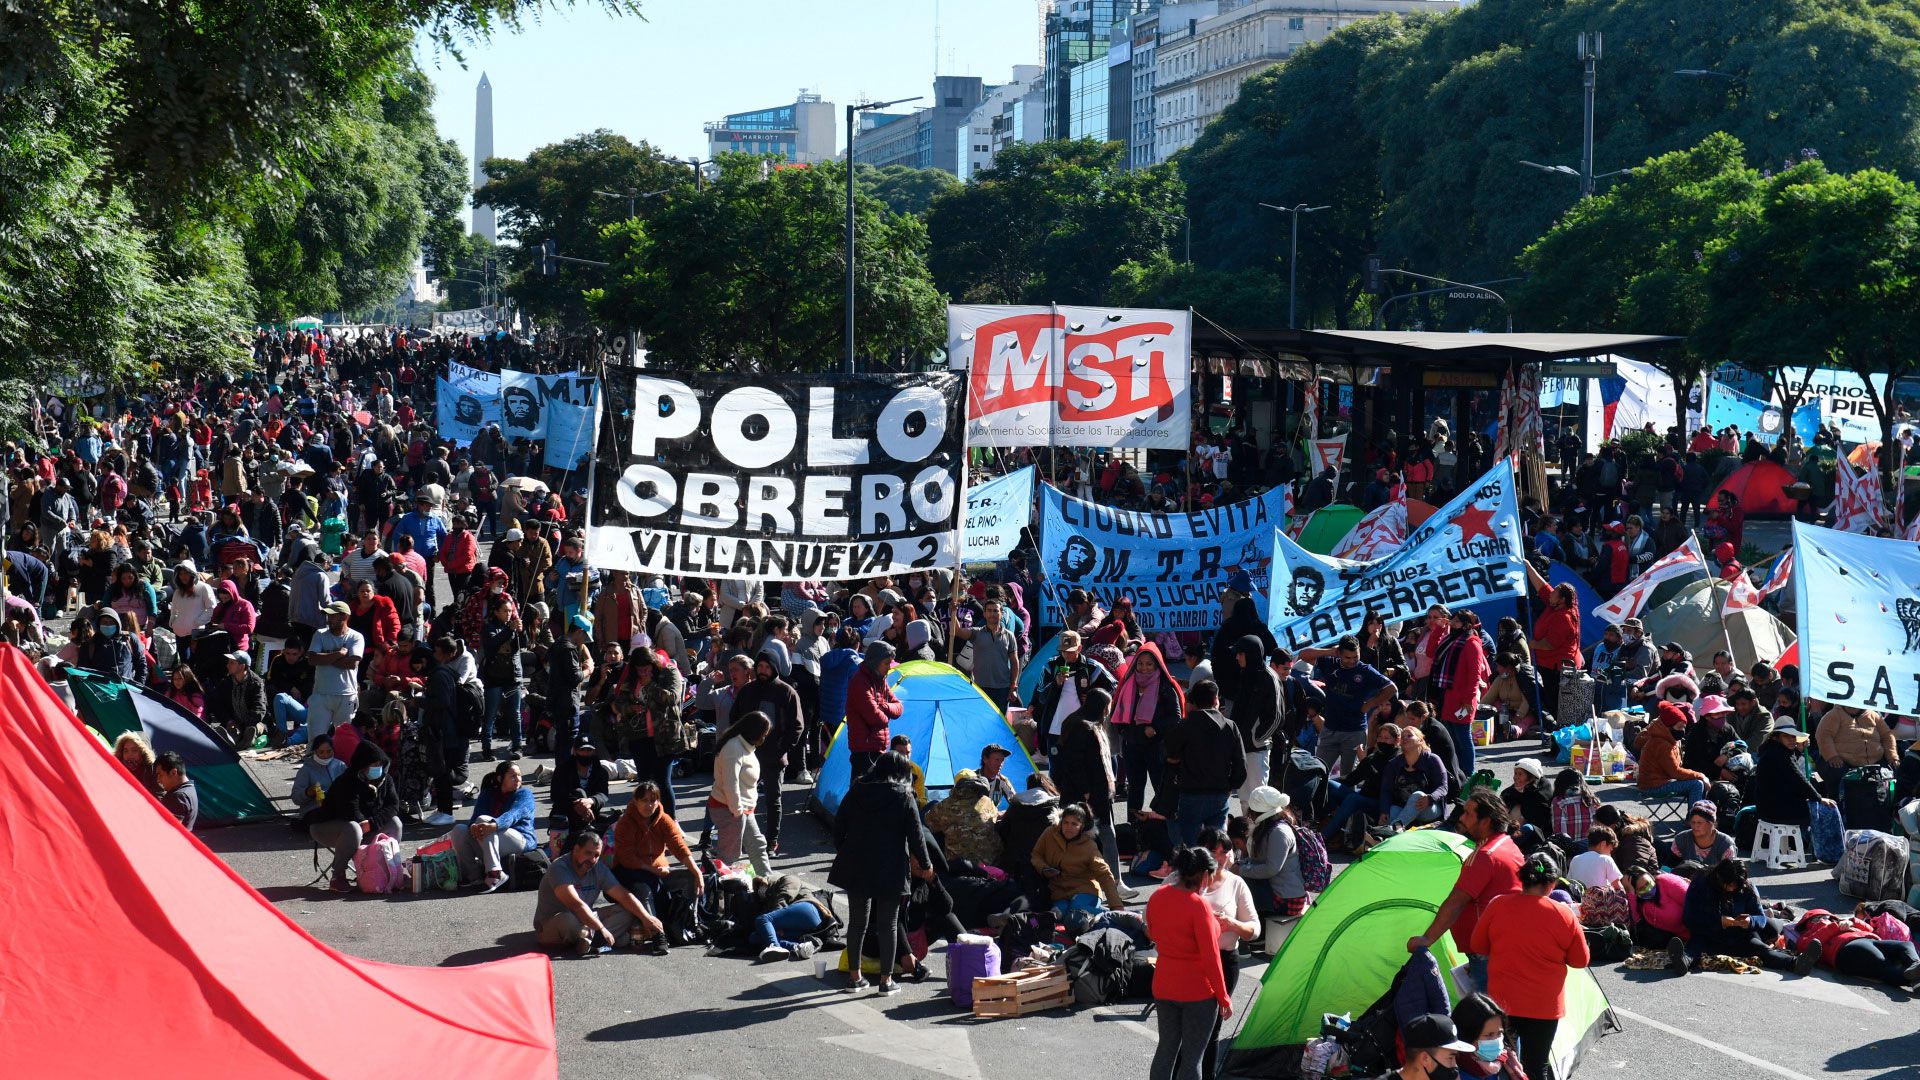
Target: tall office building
{"type": "Point", "coordinates": [1077, 36]}
{"type": "Point", "coordinates": [482, 150]}
{"type": "Point", "coordinates": [989, 127]}
{"type": "Point", "coordinates": [926, 138]}
{"type": "Point", "coordinates": [803, 132]}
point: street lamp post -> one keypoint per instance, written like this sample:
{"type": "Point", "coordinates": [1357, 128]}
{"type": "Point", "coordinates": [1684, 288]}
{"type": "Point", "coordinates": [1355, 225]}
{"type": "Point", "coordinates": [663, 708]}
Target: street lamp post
{"type": "Point", "coordinates": [852, 111]}
{"type": "Point", "coordinates": [1449, 282]}
{"type": "Point", "coordinates": [1588, 46]}
{"type": "Point", "coordinates": [633, 197]}
{"type": "Point", "coordinates": [1293, 250]}
{"type": "Point", "coordinates": [1568, 170]}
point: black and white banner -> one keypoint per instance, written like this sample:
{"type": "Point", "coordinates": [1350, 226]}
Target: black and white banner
{"type": "Point", "coordinates": [779, 477]}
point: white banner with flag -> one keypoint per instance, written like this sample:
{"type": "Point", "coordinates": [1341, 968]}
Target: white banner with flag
{"type": "Point", "coordinates": [1468, 551]}
{"type": "Point", "coordinates": [1744, 595]}
{"type": "Point", "coordinates": [1629, 601]}
{"type": "Point", "coordinates": [1858, 609]}
{"type": "Point", "coordinates": [1856, 497]}
{"type": "Point", "coordinates": [1328, 453]}
{"type": "Point", "coordinates": [1379, 533]}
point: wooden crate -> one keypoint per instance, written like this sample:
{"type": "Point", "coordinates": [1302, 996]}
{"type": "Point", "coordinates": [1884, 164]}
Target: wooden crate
{"type": "Point", "coordinates": [1022, 993]}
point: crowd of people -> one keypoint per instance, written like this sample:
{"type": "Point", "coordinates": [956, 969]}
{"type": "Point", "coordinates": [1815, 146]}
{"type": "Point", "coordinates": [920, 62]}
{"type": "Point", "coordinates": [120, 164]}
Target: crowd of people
{"type": "Point", "coordinates": [295, 557]}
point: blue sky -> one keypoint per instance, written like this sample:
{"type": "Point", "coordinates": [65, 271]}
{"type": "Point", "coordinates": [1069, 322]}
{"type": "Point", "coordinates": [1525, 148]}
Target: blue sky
{"type": "Point", "coordinates": [660, 79]}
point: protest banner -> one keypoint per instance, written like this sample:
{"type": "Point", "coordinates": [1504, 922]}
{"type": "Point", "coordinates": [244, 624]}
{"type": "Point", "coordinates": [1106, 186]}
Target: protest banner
{"type": "Point", "coordinates": [571, 434]}
{"type": "Point", "coordinates": [1858, 614]}
{"type": "Point", "coordinates": [1328, 453]}
{"type": "Point", "coordinates": [526, 399]}
{"type": "Point", "coordinates": [1379, 533]}
{"type": "Point", "coordinates": [1632, 597]}
{"type": "Point", "coordinates": [1726, 405]}
{"type": "Point", "coordinates": [778, 476]}
{"type": "Point", "coordinates": [1069, 376]}
{"type": "Point", "coordinates": [465, 321]}
{"type": "Point", "coordinates": [1172, 564]}
{"type": "Point", "coordinates": [996, 512]}
{"type": "Point", "coordinates": [1845, 399]}
{"type": "Point", "coordinates": [467, 400]}
{"type": "Point", "coordinates": [1856, 505]}
{"type": "Point", "coordinates": [1468, 551]}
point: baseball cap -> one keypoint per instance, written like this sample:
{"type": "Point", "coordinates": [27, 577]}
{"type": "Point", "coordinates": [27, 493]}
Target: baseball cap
{"type": "Point", "coordinates": [241, 658]}
{"type": "Point", "coordinates": [338, 607]}
{"type": "Point", "coordinates": [515, 534]}
{"type": "Point", "coordinates": [1433, 1031]}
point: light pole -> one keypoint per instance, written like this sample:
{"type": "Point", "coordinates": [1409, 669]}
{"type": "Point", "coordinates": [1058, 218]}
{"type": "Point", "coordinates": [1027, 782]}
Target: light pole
{"type": "Point", "coordinates": [1568, 170]}
{"type": "Point", "coordinates": [1588, 47]}
{"type": "Point", "coordinates": [632, 197]}
{"type": "Point", "coordinates": [1293, 249]}
{"type": "Point", "coordinates": [852, 111]}
{"type": "Point", "coordinates": [1379, 315]}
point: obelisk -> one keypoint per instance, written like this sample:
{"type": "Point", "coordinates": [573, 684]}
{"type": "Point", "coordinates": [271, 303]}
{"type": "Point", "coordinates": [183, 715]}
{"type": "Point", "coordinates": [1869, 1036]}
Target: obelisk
{"type": "Point", "coordinates": [482, 150]}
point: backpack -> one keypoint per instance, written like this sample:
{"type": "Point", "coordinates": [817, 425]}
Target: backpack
{"type": "Point", "coordinates": [1827, 835]}
{"type": "Point", "coordinates": [1373, 1037]}
{"type": "Point", "coordinates": [1315, 868]}
{"type": "Point", "coordinates": [1866, 798]}
{"type": "Point", "coordinates": [379, 866]}
{"type": "Point", "coordinates": [470, 710]}
{"type": "Point", "coordinates": [1483, 778]}
{"type": "Point", "coordinates": [1099, 966]}
{"type": "Point", "coordinates": [528, 868]}
{"type": "Point", "coordinates": [1024, 930]}
{"type": "Point", "coordinates": [1874, 866]}
{"type": "Point", "coordinates": [1608, 944]}
{"type": "Point", "coordinates": [680, 918]}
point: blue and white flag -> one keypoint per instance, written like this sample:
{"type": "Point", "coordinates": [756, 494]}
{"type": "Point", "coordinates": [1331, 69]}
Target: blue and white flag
{"type": "Point", "coordinates": [528, 400]}
{"type": "Point", "coordinates": [570, 433]}
{"type": "Point", "coordinates": [1726, 405]}
{"type": "Point", "coordinates": [1468, 551]}
{"type": "Point", "coordinates": [1173, 565]}
{"type": "Point", "coordinates": [996, 512]}
{"type": "Point", "coordinates": [1857, 604]}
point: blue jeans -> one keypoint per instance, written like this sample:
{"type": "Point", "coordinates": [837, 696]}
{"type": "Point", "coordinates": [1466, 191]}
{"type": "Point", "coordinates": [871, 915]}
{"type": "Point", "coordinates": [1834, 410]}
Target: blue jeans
{"type": "Point", "coordinates": [1077, 902]}
{"type": "Point", "coordinates": [1197, 810]}
{"type": "Point", "coordinates": [1347, 801]}
{"type": "Point", "coordinates": [503, 703]}
{"type": "Point", "coordinates": [1462, 735]}
{"type": "Point", "coordinates": [290, 716]}
{"type": "Point", "coordinates": [1691, 791]}
{"type": "Point", "coordinates": [1409, 813]}
{"type": "Point", "coordinates": [784, 926]}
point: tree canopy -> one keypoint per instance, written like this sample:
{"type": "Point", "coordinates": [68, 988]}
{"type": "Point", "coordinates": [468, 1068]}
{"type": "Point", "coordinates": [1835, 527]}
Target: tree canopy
{"type": "Point", "coordinates": [750, 269]}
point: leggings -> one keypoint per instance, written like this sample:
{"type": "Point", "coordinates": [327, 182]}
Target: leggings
{"type": "Point", "coordinates": [882, 913]}
{"type": "Point", "coordinates": [1186, 1031]}
{"type": "Point", "coordinates": [1882, 961]}
{"type": "Point", "coordinates": [1535, 1040]}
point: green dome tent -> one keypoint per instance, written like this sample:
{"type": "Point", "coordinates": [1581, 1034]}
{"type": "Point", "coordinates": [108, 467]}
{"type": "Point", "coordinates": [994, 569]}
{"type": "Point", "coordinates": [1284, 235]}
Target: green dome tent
{"type": "Point", "coordinates": [1344, 953]}
{"type": "Point", "coordinates": [1692, 618]}
{"type": "Point", "coordinates": [1328, 525]}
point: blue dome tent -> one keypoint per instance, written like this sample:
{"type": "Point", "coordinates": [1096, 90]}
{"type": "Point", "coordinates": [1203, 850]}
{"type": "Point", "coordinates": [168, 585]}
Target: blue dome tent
{"type": "Point", "coordinates": [949, 720]}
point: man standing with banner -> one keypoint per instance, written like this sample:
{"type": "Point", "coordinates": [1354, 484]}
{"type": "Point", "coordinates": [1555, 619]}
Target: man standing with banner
{"type": "Point", "coordinates": [1468, 551]}
{"type": "Point", "coordinates": [1629, 601]}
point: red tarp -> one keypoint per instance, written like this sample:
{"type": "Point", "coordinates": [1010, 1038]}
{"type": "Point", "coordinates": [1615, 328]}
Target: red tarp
{"type": "Point", "coordinates": [1761, 486]}
{"type": "Point", "coordinates": [130, 949]}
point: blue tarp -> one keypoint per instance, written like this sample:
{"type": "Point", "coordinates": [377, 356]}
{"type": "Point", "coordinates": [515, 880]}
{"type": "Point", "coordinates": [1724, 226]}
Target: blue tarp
{"type": "Point", "coordinates": [1591, 625]}
{"type": "Point", "coordinates": [949, 720]}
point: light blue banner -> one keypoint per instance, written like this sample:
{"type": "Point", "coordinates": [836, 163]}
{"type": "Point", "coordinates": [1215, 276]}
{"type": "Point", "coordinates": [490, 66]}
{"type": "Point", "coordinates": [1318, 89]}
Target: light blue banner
{"type": "Point", "coordinates": [996, 512]}
{"type": "Point", "coordinates": [1726, 405]}
{"type": "Point", "coordinates": [528, 400]}
{"type": "Point", "coordinates": [1857, 603]}
{"type": "Point", "coordinates": [1467, 552]}
{"type": "Point", "coordinates": [570, 431]}
{"type": "Point", "coordinates": [462, 410]}
{"type": "Point", "coordinates": [1173, 565]}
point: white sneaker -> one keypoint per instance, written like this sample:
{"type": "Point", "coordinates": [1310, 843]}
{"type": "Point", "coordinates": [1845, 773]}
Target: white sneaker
{"type": "Point", "coordinates": [437, 818]}
{"type": "Point", "coordinates": [773, 952]}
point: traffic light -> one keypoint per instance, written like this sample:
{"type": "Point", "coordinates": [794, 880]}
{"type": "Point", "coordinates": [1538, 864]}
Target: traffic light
{"type": "Point", "coordinates": [547, 262]}
{"type": "Point", "coordinates": [490, 269]}
{"type": "Point", "coordinates": [1371, 271]}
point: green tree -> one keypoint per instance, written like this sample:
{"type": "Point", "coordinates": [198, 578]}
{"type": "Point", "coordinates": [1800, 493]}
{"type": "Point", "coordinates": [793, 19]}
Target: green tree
{"type": "Point", "coordinates": [748, 272]}
{"type": "Point", "coordinates": [1228, 297]}
{"type": "Point", "coordinates": [1049, 223]}
{"type": "Point", "coordinates": [461, 272]}
{"type": "Point", "coordinates": [903, 189]}
{"type": "Point", "coordinates": [552, 196]}
{"type": "Point", "coordinates": [1825, 272]}
{"type": "Point", "coordinates": [1631, 259]}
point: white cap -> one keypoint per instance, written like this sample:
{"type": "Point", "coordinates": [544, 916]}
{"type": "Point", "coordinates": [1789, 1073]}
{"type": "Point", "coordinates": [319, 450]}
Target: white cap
{"type": "Point", "coordinates": [515, 534]}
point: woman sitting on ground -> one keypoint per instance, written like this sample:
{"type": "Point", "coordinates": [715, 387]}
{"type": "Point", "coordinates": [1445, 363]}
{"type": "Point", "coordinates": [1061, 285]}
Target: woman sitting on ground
{"type": "Point", "coordinates": [1484, 1024]}
{"type": "Point", "coordinates": [643, 839]}
{"type": "Point", "coordinates": [500, 828]}
{"type": "Point", "coordinates": [1068, 857]}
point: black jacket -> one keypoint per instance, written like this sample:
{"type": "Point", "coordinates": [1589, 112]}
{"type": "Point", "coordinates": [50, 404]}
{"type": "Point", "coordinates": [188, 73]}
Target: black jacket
{"type": "Point", "coordinates": [353, 797]}
{"type": "Point", "coordinates": [781, 702]}
{"type": "Point", "coordinates": [1780, 791]}
{"type": "Point", "coordinates": [1077, 769]}
{"type": "Point", "coordinates": [1086, 674]}
{"type": "Point", "coordinates": [239, 702]}
{"type": "Point", "coordinates": [1259, 709]}
{"type": "Point", "coordinates": [873, 832]}
{"type": "Point", "coordinates": [568, 786]}
{"type": "Point", "coordinates": [1206, 754]}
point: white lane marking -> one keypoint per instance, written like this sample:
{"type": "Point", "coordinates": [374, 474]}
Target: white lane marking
{"type": "Point", "coordinates": [1718, 1048]}
{"type": "Point", "coordinates": [1811, 988]}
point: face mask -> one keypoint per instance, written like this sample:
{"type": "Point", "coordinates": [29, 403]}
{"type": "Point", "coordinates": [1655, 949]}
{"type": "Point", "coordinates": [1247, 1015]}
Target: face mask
{"type": "Point", "coordinates": [1489, 1050]}
{"type": "Point", "coordinates": [375, 772]}
{"type": "Point", "coordinates": [1442, 1072]}
{"type": "Point", "coordinates": [108, 629]}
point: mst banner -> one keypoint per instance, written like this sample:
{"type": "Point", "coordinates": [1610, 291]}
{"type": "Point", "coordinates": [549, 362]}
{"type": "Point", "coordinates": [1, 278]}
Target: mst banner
{"type": "Point", "coordinates": [527, 400]}
{"type": "Point", "coordinates": [1468, 551]}
{"type": "Point", "coordinates": [780, 477]}
{"type": "Point", "coordinates": [1857, 602]}
{"type": "Point", "coordinates": [1173, 565]}
{"type": "Point", "coordinates": [1072, 376]}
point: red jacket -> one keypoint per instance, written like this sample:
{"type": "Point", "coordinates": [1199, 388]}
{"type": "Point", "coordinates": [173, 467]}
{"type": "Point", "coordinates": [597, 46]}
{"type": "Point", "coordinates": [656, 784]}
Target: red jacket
{"type": "Point", "coordinates": [460, 553]}
{"type": "Point", "coordinates": [1831, 931]}
{"type": "Point", "coordinates": [1557, 632]}
{"type": "Point", "coordinates": [871, 705]}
